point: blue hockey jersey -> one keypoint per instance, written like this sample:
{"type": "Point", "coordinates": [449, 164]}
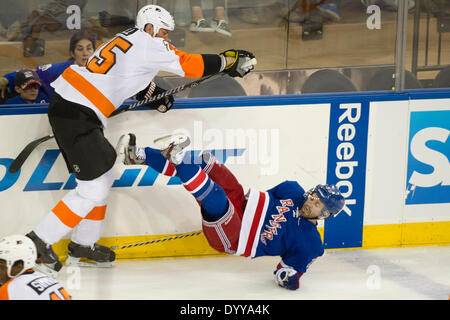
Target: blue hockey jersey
{"type": "Point", "coordinates": [47, 74]}
{"type": "Point", "coordinates": [271, 227]}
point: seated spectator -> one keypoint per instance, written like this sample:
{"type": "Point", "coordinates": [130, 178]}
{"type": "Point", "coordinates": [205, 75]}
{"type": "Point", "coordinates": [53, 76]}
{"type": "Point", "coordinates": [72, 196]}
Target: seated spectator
{"type": "Point", "coordinates": [218, 24]}
{"type": "Point", "coordinates": [82, 46]}
{"type": "Point", "coordinates": [27, 84]}
{"type": "Point", "coordinates": [303, 10]}
{"type": "Point", "coordinates": [50, 17]}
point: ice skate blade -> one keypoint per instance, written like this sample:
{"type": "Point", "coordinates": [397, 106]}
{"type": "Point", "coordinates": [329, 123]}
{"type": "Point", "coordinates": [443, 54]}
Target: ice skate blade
{"type": "Point", "coordinates": [166, 141]}
{"type": "Point", "coordinates": [81, 262]}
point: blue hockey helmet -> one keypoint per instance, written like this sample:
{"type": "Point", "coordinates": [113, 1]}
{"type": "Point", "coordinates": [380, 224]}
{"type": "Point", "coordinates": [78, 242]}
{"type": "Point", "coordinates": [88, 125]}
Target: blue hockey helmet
{"type": "Point", "coordinates": [331, 197]}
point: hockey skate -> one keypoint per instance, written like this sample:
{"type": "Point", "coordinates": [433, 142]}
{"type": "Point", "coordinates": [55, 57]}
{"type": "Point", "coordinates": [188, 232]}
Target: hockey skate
{"type": "Point", "coordinates": [173, 147]}
{"type": "Point", "coordinates": [126, 150]}
{"type": "Point", "coordinates": [47, 260]}
{"type": "Point", "coordinates": [90, 256]}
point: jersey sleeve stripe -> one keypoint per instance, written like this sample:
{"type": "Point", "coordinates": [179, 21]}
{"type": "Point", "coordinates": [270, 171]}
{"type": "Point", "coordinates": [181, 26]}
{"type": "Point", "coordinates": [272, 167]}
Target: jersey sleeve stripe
{"type": "Point", "coordinates": [192, 64]}
{"type": "Point", "coordinates": [252, 221]}
{"type": "Point", "coordinates": [89, 91]}
{"type": "Point", "coordinates": [4, 291]}
{"type": "Point", "coordinates": [255, 225]}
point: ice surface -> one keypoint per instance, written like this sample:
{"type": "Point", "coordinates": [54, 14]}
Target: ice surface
{"type": "Point", "coordinates": [416, 273]}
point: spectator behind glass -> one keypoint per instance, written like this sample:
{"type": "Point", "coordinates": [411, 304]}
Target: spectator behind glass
{"type": "Point", "coordinates": [81, 47]}
{"type": "Point", "coordinates": [325, 10]}
{"type": "Point", "coordinates": [27, 84]}
{"type": "Point", "coordinates": [218, 23]}
{"type": "Point", "coordinates": [50, 17]}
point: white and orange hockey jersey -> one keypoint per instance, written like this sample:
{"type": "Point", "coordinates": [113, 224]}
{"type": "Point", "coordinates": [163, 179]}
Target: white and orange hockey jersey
{"type": "Point", "coordinates": [33, 285]}
{"type": "Point", "coordinates": [125, 65]}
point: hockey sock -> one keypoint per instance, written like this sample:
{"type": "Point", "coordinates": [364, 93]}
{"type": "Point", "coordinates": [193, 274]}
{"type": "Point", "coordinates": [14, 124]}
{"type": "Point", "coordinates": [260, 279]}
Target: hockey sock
{"type": "Point", "coordinates": [157, 161]}
{"type": "Point", "coordinates": [212, 197]}
{"type": "Point", "coordinates": [208, 161]}
{"type": "Point", "coordinates": [88, 231]}
{"type": "Point", "coordinates": [195, 180]}
{"type": "Point", "coordinates": [65, 216]}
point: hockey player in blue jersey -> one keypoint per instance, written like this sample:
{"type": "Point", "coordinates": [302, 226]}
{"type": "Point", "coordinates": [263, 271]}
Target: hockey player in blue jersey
{"type": "Point", "coordinates": [281, 221]}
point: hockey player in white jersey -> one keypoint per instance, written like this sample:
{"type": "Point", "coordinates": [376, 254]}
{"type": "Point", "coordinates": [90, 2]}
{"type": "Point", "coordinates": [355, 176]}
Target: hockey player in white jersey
{"type": "Point", "coordinates": [85, 98]}
{"type": "Point", "coordinates": [18, 279]}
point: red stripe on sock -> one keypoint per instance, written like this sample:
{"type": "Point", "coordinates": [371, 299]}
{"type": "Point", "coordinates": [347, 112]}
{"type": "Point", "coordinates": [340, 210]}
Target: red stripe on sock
{"type": "Point", "coordinates": [198, 180]}
{"type": "Point", "coordinates": [169, 170]}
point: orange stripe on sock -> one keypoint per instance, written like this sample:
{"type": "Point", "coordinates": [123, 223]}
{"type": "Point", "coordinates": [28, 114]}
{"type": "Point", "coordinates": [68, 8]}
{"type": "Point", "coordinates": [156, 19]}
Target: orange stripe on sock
{"type": "Point", "coordinates": [98, 213]}
{"type": "Point", "coordinates": [89, 91]}
{"type": "Point", "coordinates": [65, 215]}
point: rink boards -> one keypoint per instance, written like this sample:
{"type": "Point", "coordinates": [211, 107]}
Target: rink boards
{"type": "Point", "coordinates": [388, 153]}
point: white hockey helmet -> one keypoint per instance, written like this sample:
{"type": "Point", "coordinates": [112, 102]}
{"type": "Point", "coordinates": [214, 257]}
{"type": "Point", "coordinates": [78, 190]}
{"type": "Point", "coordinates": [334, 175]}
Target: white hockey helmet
{"type": "Point", "coordinates": [18, 248]}
{"type": "Point", "coordinates": [157, 16]}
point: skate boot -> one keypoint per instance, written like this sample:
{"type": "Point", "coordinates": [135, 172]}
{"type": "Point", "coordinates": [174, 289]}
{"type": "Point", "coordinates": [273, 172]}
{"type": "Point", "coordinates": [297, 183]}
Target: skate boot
{"type": "Point", "coordinates": [47, 260]}
{"type": "Point", "coordinates": [90, 256]}
{"type": "Point", "coordinates": [173, 147]}
{"type": "Point", "coordinates": [126, 150]}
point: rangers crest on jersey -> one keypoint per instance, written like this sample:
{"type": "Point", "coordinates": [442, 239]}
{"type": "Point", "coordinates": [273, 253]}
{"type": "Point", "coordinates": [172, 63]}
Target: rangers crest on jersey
{"type": "Point", "coordinates": [270, 230]}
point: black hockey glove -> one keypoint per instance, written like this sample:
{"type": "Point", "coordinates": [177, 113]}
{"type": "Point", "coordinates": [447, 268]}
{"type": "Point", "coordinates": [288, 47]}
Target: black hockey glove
{"type": "Point", "coordinates": [162, 105]}
{"type": "Point", "coordinates": [244, 62]}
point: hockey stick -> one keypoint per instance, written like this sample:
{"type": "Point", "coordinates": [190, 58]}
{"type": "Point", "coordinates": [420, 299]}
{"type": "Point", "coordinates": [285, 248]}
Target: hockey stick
{"type": "Point", "coordinates": [163, 95]}
{"type": "Point", "coordinates": [138, 244]}
{"type": "Point", "coordinates": [25, 153]}
{"type": "Point", "coordinates": [176, 90]}
{"type": "Point", "coordinates": [18, 162]}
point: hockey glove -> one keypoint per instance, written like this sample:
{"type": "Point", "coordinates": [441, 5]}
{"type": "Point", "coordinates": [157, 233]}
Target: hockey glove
{"type": "Point", "coordinates": [162, 105]}
{"type": "Point", "coordinates": [243, 63]}
{"type": "Point", "coordinates": [287, 278]}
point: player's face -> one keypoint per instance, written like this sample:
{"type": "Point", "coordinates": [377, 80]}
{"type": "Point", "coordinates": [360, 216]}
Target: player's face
{"type": "Point", "coordinates": [3, 272]}
{"type": "Point", "coordinates": [83, 50]}
{"type": "Point", "coordinates": [312, 207]}
{"type": "Point", "coordinates": [162, 33]}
